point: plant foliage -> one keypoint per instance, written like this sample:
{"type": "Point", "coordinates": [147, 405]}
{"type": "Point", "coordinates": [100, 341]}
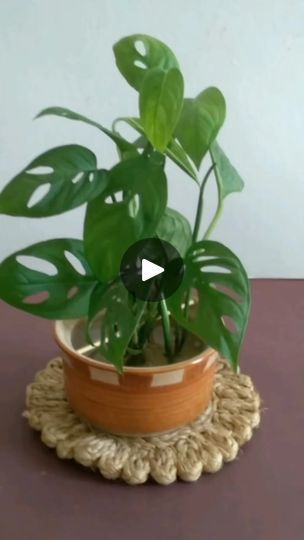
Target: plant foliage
{"type": "Point", "coordinates": [80, 278]}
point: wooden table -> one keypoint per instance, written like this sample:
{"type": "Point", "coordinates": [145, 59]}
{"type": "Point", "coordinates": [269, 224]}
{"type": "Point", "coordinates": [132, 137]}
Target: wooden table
{"type": "Point", "coordinates": [258, 497]}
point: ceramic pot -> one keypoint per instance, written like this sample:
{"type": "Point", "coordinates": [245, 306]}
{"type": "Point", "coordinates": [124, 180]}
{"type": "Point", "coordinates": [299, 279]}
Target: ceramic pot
{"type": "Point", "coordinates": [142, 401]}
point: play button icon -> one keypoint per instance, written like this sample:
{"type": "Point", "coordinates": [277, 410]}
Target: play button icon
{"type": "Point", "coordinates": [152, 269]}
{"type": "Point", "coordinates": [149, 270]}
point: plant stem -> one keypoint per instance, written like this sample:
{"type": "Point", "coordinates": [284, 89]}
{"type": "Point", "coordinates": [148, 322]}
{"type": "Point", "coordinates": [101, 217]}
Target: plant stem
{"type": "Point", "coordinates": [166, 329]}
{"type": "Point", "coordinates": [199, 210]}
{"type": "Point", "coordinates": [197, 223]}
{"type": "Point", "coordinates": [219, 208]}
{"type": "Point", "coordinates": [214, 221]}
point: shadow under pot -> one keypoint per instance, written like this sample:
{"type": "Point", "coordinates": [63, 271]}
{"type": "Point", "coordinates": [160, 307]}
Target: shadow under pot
{"type": "Point", "coordinates": [143, 400]}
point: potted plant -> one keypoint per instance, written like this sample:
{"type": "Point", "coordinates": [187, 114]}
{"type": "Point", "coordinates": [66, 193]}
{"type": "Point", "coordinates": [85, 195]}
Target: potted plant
{"type": "Point", "coordinates": [134, 365]}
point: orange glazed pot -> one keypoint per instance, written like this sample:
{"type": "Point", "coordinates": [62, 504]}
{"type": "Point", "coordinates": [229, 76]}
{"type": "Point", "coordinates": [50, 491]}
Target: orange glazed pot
{"type": "Point", "coordinates": [141, 401]}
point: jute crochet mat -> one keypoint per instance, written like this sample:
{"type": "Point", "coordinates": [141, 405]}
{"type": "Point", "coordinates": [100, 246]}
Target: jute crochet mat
{"type": "Point", "coordinates": [202, 446]}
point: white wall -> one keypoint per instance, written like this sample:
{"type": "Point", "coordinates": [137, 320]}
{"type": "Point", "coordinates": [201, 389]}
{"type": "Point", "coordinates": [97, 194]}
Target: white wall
{"type": "Point", "coordinates": [58, 52]}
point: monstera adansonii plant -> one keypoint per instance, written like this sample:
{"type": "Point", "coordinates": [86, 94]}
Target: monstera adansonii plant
{"type": "Point", "coordinates": [128, 203]}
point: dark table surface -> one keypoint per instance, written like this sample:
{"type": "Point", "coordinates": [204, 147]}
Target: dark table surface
{"type": "Point", "coordinates": [260, 496]}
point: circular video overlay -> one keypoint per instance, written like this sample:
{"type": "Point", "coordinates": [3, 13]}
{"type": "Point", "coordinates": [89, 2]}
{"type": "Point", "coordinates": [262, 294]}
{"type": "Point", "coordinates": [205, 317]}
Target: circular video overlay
{"type": "Point", "coordinates": [152, 269]}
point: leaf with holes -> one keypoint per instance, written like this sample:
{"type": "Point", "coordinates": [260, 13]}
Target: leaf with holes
{"type": "Point", "coordinates": [139, 190]}
{"type": "Point", "coordinates": [174, 150]}
{"type": "Point", "coordinates": [160, 103]}
{"type": "Point", "coordinates": [118, 320]}
{"type": "Point", "coordinates": [221, 314]}
{"type": "Point", "coordinates": [124, 146]}
{"type": "Point", "coordinates": [175, 229]}
{"type": "Point", "coordinates": [200, 122]}
{"type": "Point", "coordinates": [51, 279]}
{"type": "Point", "coordinates": [138, 53]}
{"type": "Point", "coordinates": [67, 175]}
{"type": "Point", "coordinates": [227, 178]}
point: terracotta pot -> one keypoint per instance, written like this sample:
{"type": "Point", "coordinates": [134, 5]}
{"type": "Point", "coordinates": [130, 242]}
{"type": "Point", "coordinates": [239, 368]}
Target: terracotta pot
{"type": "Point", "coordinates": [142, 401]}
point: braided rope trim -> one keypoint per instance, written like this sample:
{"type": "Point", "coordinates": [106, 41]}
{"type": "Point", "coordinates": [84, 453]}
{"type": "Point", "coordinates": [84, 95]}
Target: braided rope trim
{"type": "Point", "coordinates": [202, 446]}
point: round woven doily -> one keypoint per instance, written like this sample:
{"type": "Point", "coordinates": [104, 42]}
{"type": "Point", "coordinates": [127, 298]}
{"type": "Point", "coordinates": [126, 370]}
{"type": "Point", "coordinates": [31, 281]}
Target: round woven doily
{"type": "Point", "coordinates": [203, 446]}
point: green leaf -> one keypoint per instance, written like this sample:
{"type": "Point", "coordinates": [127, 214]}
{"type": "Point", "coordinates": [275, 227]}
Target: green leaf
{"type": "Point", "coordinates": [59, 291]}
{"type": "Point", "coordinates": [174, 151]}
{"type": "Point", "coordinates": [221, 314]}
{"type": "Point", "coordinates": [175, 229]}
{"type": "Point", "coordinates": [200, 122]}
{"type": "Point", "coordinates": [133, 62]}
{"type": "Point", "coordinates": [179, 156]}
{"type": "Point", "coordinates": [160, 103]}
{"type": "Point", "coordinates": [140, 188]}
{"type": "Point", "coordinates": [123, 145]}
{"type": "Point", "coordinates": [119, 317]}
{"type": "Point", "coordinates": [227, 177]}
{"type": "Point", "coordinates": [68, 172]}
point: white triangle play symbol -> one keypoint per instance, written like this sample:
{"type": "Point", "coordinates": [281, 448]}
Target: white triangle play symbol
{"type": "Point", "coordinates": [150, 270]}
